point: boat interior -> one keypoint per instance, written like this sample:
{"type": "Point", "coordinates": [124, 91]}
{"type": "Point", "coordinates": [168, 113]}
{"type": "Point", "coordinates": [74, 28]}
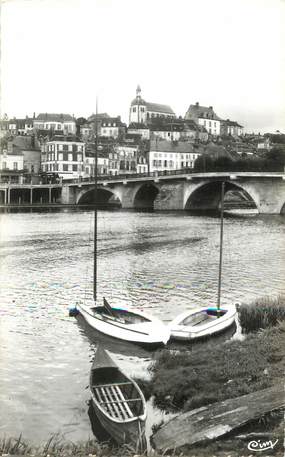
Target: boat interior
{"type": "Point", "coordinates": [119, 398]}
{"type": "Point", "coordinates": [202, 317]}
{"type": "Point", "coordinates": [120, 315]}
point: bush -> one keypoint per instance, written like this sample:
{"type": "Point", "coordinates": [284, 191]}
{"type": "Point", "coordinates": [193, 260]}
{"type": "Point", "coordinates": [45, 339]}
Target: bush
{"type": "Point", "coordinates": [263, 313]}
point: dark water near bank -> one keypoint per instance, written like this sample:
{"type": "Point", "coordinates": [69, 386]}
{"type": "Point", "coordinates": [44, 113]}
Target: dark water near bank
{"type": "Point", "coordinates": [161, 262]}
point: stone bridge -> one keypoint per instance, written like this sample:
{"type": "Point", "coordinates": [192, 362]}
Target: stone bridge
{"type": "Point", "coordinates": [196, 191]}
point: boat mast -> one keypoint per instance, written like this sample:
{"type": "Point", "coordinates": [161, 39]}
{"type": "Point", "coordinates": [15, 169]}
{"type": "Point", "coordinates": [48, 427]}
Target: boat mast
{"type": "Point", "coordinates": [95, 202]}
{"type": "Point", "coordinates": [221, 245]}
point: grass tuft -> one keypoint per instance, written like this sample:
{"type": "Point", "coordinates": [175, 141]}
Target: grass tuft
{"type": "Point", "coordinates": [261, 314]}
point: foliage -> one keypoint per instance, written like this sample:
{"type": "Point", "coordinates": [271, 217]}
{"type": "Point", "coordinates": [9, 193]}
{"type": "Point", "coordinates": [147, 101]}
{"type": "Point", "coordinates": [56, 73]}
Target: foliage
{"type": "Point", "coordinates": [273, 160]}
{"type": "Point", "coordinates": [216, 372]}
{"type": "Point", "coordinates": [263, 313]}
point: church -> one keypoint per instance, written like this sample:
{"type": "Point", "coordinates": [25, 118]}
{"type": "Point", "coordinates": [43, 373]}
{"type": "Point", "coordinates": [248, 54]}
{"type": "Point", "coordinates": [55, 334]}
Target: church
{"type": "Point", "coordinates": [142, 112]}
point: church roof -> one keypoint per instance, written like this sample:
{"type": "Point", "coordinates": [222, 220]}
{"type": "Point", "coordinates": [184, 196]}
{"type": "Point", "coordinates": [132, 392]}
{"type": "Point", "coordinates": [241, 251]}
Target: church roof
{"type": "Point", "coordinates": [154, 107]}
{"type": "Point", "coordinates": [158, 108]}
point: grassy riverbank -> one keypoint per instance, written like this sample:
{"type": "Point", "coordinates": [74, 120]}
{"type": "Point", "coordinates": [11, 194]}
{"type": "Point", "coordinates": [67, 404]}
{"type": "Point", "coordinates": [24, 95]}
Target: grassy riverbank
{"type": "Point", "coordinates": [216, 372]}
{"type": "Point", "coordinates": [196, 376]}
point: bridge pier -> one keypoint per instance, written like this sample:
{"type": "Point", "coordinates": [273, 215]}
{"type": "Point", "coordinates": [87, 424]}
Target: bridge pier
{"type": "Point", "coordinates": [170, 197]}
{"type": "Point", "coordinates": [268, 194]}
{"type": "Point", "coordinates": [68, 195]}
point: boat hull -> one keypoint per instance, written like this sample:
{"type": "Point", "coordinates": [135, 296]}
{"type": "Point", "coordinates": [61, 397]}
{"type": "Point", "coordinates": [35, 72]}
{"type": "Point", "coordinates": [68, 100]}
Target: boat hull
{"type": "Point", "coordinates": [123, 433]}
{"type": "Point", "coordinates": [182, 332]}
{"type": "Point", "coordinates": [152, 333]}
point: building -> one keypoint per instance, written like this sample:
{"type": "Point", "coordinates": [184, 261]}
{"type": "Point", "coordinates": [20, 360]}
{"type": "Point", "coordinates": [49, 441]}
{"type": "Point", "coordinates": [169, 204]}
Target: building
{"type": "Point", "coordinates": [100, 117]}
{"type": "Point", "coordinates": [102, 165]}
{"type": "Point", "coordinates": [168, 156]}
{"type": "Point", "coordinates": [142, 112]}
{"type": "Point", "coordinates": [206, 117]}
{"type": "Point", "coordinates": [29, 147]}
{"type": "Point", "coordinates": [139, 129]}
{"type": "Point", "coordinates": [63, 156]}
{"type": "Point", "coordinates": [170, 131]}
{"type": "Point", "coordinates": [113, 127]}
{"type": "Point", "coordinates": [231, 128]}
{"type": "Point", "coordinates": [64, 123]}
{"type": "Point", "coordinates": [11, 161]}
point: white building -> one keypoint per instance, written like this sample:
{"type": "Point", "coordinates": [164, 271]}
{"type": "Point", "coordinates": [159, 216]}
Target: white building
{"type": "Point", "coordinates": [13, 161]}
{"type": "Point", "coordinates": [89, 165]}
{"type": "Point", "coordinates": [206, 117]}
{"type": "Point", "coordinates": [142, 112]}
{"type": "Point", "coordinates": [63, 157]}
{"type": "Point", "coordinates": [61, 122]}
{"type": "Point", "coordinates": [168, 156]}
{"type": "Point", "coordinates": [112, 127]}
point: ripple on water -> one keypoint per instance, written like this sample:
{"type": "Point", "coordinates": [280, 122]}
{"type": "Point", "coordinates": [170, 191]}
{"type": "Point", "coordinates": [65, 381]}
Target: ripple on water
{"type": "Point", "coordinates": [163, 263]}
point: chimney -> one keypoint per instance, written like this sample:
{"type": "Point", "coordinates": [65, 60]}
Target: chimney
{"type": "Point", "coordinates": [34, 116]}
{"type": "Point", "coordinates": [210, 107]}
{"type": "Point", "coordinates": [197, 103]}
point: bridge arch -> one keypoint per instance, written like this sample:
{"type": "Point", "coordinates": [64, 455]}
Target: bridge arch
{"type": "Point", "coordinates": [145, 196]}
{"type": "Point", "coordinates": [207, 195]}
{"type": "Point", "coordinates": [105, 197]}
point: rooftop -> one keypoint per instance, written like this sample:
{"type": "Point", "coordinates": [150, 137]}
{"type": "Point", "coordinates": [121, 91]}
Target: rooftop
{"type": "Point", "coordinates": [171, 146]}
{"type": "Point", "coordinates": [52, 117]}
{"type": "Point", "coordinates": [198, 111]}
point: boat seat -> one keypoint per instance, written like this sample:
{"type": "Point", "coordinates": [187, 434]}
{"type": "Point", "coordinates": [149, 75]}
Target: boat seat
{"type": "Point", "coordinates": [112, 399]}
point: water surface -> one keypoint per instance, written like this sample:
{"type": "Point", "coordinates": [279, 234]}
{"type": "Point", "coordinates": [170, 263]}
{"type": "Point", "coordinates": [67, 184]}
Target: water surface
{"type": "Point", "coordinates": [161, 262]}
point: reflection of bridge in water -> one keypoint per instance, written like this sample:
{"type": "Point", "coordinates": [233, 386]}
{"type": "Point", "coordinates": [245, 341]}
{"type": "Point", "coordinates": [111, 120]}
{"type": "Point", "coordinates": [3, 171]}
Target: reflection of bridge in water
{"type": "Point", "coordinates": [179, 190]}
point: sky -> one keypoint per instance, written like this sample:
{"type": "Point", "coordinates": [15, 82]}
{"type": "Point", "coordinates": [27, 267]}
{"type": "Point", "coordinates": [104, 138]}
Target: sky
{"type": "Point", "coordinates": [58, 55]}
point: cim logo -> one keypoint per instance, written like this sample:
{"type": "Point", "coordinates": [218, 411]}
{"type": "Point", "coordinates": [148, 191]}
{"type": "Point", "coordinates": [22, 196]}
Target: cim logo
{"type": "Point", "coordinates": [258, 446]}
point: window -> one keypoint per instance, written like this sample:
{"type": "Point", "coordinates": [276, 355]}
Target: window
{"type": "Point", "coordinates": [65, 167]}
{"type": "Point", "coordinates": [74, 167]}
{"type": "Point", "coordinates": [134, 109]}
{"type": "Point", "coordinates": [142, 109]}
{"type": "Point", "coordinates": [4, 165]}
{"type": "Point", "coordinates": [165, 163]}
{"type": "Point", "coordinates": [214, 124]}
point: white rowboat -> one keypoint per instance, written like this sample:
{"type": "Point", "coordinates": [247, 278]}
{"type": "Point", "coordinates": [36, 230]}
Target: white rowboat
{"type": "Point", "coordinates": [201, 322]}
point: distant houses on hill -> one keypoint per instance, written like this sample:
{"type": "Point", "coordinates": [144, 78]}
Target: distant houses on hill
{"type": "Point", "coordinates": [154, 140]}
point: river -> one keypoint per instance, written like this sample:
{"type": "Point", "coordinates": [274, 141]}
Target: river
{"type": "Point", "coordinates": [161, 262]}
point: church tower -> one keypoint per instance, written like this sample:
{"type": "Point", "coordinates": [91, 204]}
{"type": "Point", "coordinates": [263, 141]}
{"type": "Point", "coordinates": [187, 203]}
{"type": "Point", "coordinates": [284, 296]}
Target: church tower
{"type": "Point", "coordinates": [138, 109]}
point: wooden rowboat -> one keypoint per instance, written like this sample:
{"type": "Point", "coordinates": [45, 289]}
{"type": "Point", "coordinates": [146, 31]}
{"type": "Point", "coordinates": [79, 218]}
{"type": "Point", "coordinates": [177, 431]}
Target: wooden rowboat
{"type": "Point", "coordinates": [118, 402]}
